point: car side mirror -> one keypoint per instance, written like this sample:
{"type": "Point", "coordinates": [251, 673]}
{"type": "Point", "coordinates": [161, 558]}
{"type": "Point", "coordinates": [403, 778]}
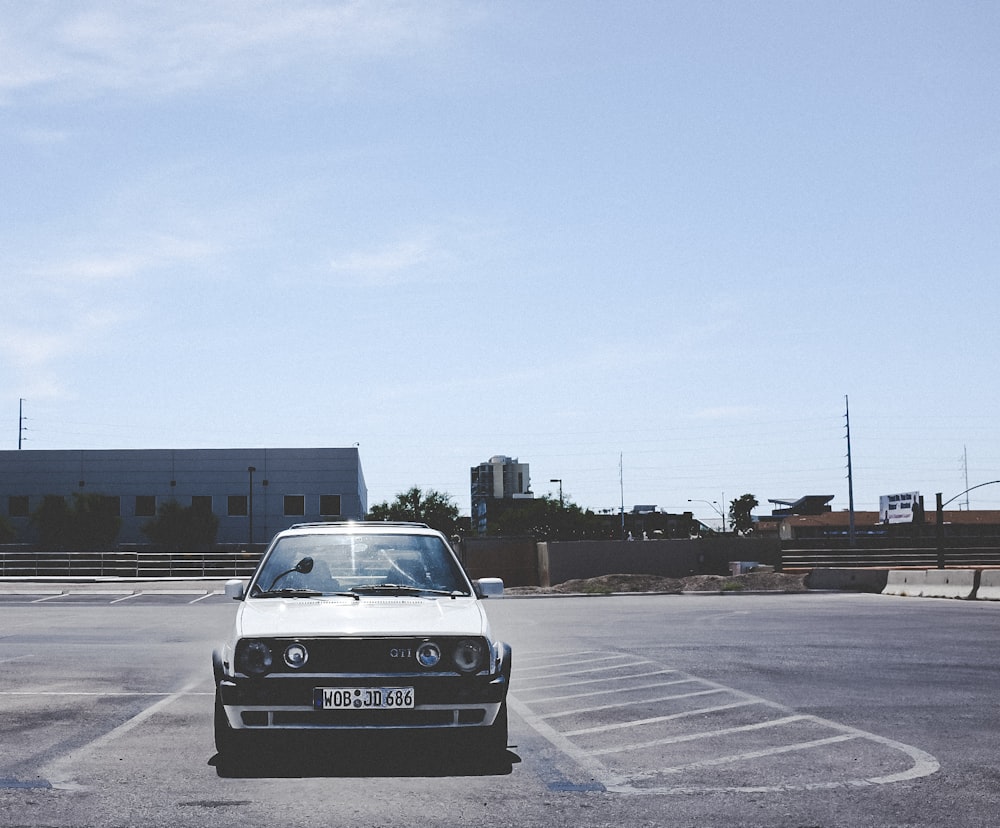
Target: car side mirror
{"type": "Point", "coordinates": [235, 589]}
{"type": "Point", "coordinates": [489, 587]}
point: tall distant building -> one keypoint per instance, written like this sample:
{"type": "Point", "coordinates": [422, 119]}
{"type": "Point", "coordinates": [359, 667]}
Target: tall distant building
{"type": "Point", "coordinates": [496, 484]}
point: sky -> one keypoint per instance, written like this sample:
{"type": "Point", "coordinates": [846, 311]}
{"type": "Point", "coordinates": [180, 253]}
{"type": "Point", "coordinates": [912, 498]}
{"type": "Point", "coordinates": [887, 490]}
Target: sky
{"type": "Point", "coordinates": [656, 250]}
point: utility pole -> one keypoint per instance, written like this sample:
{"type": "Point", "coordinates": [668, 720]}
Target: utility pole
{"type": "Point", "coordinates": [850, 473]}
{"type": "Point", "coordinates": [965, 466]}
{"type": "Point", "coordinates": [20, 422]}
{"type": "Point", "coordinates": [621, 486]}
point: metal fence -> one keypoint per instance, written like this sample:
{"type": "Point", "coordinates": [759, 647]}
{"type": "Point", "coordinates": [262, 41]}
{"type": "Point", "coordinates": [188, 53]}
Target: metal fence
{"type": "Point", "coordinates": [919, 557]}
{"type": "Point", "coordinates": [129, 564]}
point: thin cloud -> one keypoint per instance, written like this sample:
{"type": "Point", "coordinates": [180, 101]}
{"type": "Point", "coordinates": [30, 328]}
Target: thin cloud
{"type": "Point", "coordinates": [730, 413]}
{"type": "Point", "coordinates": [419, 259]}
{"type": "Point", "coordinates": [147, 255]}
{"type": "Point", "coordinates": [72, 304]}
{"type": "Point", "coordinates": [381, 267]}
{"type": "Point", "coordinates": [41, 137]}
{"type": "Point", "coordinates": [162, 48]}
{"type": "Point", "coordinates": [36, 350]}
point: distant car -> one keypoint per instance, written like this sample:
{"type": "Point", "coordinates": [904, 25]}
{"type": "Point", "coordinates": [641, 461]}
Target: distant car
{"type": "Point", "coordinates": [357, 627]}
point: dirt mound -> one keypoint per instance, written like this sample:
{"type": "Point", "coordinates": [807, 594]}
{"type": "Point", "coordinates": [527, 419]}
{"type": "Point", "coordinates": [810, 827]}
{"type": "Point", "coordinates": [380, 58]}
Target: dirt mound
{"type": "Point", "coordinates": [609, 584]}
{"type": "Point", "coordinates": [750, 582]}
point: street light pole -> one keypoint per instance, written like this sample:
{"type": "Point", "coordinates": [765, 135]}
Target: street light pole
{"type": "Point", "coordinates": [251, 470]}
{"type": "Point", "coordinates": [939, 522]}
{"type": "Point", "coordinates": [715, 507]}
{"type": "Point", "coordinates": [559, 481]}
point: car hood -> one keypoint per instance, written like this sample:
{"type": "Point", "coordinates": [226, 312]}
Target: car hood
{"type": "Point", "coordinates": [371, 615]}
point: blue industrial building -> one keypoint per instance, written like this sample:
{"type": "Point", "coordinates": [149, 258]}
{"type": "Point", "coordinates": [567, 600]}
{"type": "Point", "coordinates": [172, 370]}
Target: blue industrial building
{"type": "Point", "coordinates": [253, 492]}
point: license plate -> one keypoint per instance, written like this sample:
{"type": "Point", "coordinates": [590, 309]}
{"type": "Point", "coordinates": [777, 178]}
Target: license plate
{"type": "Point", "coordinates": [363, 698]}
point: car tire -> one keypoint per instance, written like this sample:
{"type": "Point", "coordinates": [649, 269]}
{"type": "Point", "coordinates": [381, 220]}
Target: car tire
{"type": "Point", "coordinates": [498, 731]}
{"type": "Point", "coordinates": [493, 741]}
{"type": "Point", "coordinates": [485, 748]}
{"type": "Point", "coordinates": [229, 743]}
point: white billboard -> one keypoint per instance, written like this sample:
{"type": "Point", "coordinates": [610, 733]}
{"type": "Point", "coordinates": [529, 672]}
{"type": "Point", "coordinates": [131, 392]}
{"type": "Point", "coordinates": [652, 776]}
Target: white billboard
{"type": "Point", "coordinates": [899, 508]}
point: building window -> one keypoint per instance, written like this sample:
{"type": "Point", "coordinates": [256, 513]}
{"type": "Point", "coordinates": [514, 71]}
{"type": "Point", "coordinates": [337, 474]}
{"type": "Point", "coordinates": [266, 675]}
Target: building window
{"type": "Point", "coordinates": [17, 506]}
{"type": "Point", "coordinates": [201, 503]}
{"type": "Point", "coordinates": [145, 505]}
{"type": "Point", "coordinates": [237, 506]}
{"type": "Point", "coordinates": [114, 504]}
{"type": "Point", "coordinates": [329, 505]}
{"type": "Point", "coordinates": [295, 505]}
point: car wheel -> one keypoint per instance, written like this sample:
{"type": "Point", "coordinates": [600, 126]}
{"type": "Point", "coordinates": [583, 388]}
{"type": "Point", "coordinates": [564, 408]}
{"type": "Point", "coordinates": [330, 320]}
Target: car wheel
{"type": "Point", "coordinates": [498, 730]}
{"type": "Point", "coordinates": [485, 748]}
{"type": "Point", "coordinates": [229, 743]}
{"type": "Point", "coordinates": [492, 741]}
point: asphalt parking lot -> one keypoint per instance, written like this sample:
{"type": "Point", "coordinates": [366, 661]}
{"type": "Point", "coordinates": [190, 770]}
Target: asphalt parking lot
{"type": "Point", "coordinates": [788, 710]}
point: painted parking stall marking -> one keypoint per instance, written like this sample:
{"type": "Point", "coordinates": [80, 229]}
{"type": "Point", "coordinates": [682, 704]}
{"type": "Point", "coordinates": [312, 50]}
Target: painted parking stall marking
{"type": "Point", "coordinates": [112, 596]}
{"type": "Point", "coordinates": [638, 727]}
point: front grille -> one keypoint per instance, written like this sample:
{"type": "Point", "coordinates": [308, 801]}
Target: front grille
{"type": "Point", "coordinates": [366, 718]}
{"type": "Point", "coordinates": [363, 655]}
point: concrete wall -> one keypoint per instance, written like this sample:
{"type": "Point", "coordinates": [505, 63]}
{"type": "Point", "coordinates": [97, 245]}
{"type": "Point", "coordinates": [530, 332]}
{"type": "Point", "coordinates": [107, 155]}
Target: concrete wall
{"type": "Point", "coordinates": [520, 562]}
{"type": "Point", "coordinates": [513, 559]}
{"type": "Point", "coordinates": [561, 561]}
{"type": "Point", "coordinates": [855, 580]}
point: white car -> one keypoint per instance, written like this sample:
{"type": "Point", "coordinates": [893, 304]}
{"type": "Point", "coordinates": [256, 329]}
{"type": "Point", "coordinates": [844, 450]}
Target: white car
{"type": "Point", "coordinates": [358, 627]}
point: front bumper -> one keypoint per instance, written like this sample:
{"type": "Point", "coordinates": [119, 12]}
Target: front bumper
{"type": "Point", "coordinates": [281, 702]}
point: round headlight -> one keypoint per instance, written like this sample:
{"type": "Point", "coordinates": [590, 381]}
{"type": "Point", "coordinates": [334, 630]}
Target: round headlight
{"type": "Point", "coordinates": [428, 654]}
{"type": "Point", "coordinates": [469, 655]}
{"type": "Point", "coordinates": [296, 655]}
{"type": "Point", "coordinates": [254, 658]}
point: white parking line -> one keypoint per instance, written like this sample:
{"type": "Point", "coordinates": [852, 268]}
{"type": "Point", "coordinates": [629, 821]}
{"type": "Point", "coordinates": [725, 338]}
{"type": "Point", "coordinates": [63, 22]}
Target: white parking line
{"type": "Point", "coordinates": [59, 771]}
{"type": "Point", "coordinates": [602, 669]}
{"type": "Point", "coordinates": [581, 757]}
{"type": "Point", "coordinates": [752, 754]}
{"type": "Point", "coordinates": [657, 719]}
{"type": "Point", "coordinates": [633, 764]}
{"type": "Point", "coordinates": [704, 734]}
{"type": "Point", "coordinates": [553, 666]}
{"type": "Point", "coordinates": [100, 693]}
{"type": "Point", "coordinates": [547, 663]}
{"type": "Point", "coordinates": [576, 711]}
{"type": "Point", "coordinates": [603, 680]}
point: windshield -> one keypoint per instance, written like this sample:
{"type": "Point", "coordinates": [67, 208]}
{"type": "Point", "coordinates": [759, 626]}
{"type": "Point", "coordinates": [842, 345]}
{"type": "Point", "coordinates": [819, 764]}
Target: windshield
{"type": "Point", "coordinates": [337, 563]}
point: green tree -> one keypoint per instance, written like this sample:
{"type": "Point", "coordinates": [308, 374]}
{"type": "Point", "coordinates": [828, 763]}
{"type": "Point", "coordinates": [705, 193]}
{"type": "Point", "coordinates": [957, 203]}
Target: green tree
{"type": "Point", "coordinates": [739, 513]}
{"type": "Point", "coordinates": [90, 523]}
{"type": "Point", "coordinates": [52, 520]}
{"type": "Point", "coordinates": [7, 532]}
{"type": "Point", "coordinates": [436, 509]}
{"type": "Point", "coordinates": [96, 522]}
{"type": "Point", "coordinates": [545, 519]}
{"type": "Point", "coordinates": [179, 528]}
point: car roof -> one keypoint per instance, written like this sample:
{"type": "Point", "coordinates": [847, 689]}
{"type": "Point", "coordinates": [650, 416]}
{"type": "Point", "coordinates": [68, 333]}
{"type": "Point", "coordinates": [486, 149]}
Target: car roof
{"type": "Point", "coordinates": [350, 527]}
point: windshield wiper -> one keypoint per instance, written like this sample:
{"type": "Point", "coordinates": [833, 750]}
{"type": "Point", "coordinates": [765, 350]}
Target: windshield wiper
{"type": "Point", "coordinates": [285, 593]}
{"type": "Point", "coordinates": [293, 592]}
{"type": "Point", "coordinates": [405, 588]}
